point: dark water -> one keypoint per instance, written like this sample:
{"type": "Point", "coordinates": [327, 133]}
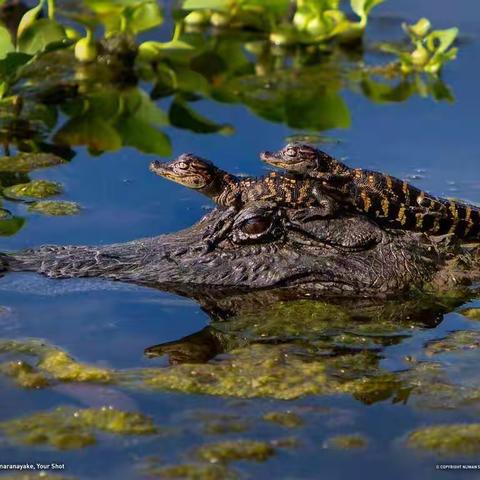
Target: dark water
{"type": "Point", "coordinates": [435, 144]}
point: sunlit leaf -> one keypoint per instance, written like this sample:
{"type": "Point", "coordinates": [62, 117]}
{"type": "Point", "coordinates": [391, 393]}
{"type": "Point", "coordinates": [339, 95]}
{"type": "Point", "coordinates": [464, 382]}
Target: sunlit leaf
{"type": "Point", "coordinates": [419, 29]}
{"type": "Point", "coordinates": [143, 16]}
{"type": "Point", "coordinates": [182, 116]}
{"type": "Point", "coordinates": [210, 4]}
{"type": "Point", "coordinates": [363, 7]}
{"type": "Point", "coordinates": [38, 36]}
{"type": "Point", "coordinates": [150, 51]}
{"type": "Point", "coordinates": [138, 133]}
{"type": "Point", "coordinates": [6, 45]}
{"type": "Point", "coordinates": [90, 131]}
{"type": "Point", "coordinates": [29, 18]}
{"type": "Point", "coordinates": [440, 40]}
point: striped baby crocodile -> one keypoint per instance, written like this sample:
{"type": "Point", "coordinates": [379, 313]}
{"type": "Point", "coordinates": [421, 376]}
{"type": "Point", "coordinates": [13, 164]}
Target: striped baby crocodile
{"type": "Point", "coordinates": [227, 190]}
{"type": "Point", "coordinates": [387, 199]}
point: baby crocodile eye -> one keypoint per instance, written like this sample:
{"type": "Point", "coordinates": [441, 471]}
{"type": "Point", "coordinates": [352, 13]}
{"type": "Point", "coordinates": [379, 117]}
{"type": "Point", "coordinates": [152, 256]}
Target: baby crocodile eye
{"type": "Point", "coordinates": [182, 166]}
{"type": "Point", "coordinates": [256, 225]}
{"type": "Point", "coordinates": [291, 152]}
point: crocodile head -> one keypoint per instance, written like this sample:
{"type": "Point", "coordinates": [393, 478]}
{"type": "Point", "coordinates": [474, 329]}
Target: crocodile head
{"type": "Point", "coordinates": [300, 158]}
{"type": "Point", "coordinates": [188, 170]}
{"type": "Point", "coordinates": [258, 247]}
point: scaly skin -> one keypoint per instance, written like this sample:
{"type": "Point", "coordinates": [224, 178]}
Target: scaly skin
{"type": "Point", "coordinates": [267, 247]}
{"type": "Point", "coordinates": [229, 191]}
{"type": "Point", "coordinates": [391, 201]}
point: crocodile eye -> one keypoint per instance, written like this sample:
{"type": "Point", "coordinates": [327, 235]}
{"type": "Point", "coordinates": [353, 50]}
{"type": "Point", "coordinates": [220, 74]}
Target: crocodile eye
{"type": "Point", "coordinates": [291, 152]}
{"type": "Point", "coordinates": [182, 166]}
{"type": "Point", "coordinates": [256, 225]}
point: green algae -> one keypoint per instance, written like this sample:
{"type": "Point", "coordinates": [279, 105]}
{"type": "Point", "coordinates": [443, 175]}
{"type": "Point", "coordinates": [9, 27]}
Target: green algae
{"type": "Point", "coordinates": [460, 340]}
{"type": "Point", "coordinates": [347, 442]}
{"type": "Point", "coordinates": [471, 313]}
{"type": "Point", "coordinates": [225, 426]}
{"type": "Point", "coordinates": [27, 162]}
{"type": "Point", "coordinates": [233, 450]}
{"type": "Point", "coordinates": [460, 439]}
{"type": "Point", "coordinates": [53, 365]}
{"type": "Point", "coordinates": [285, 419]}
{"type": "Point", "coordinates": [191, 471]}
{"type": "Point", "coordinates": [256, 371]}
{"type": "Point", "coordinates": [24, 374]}
{"type": "Point", "coordinates": [55, 208]}
{"type": "Point", "coordinates": [66, 428]}
{"type": "Point", "coordinates": [33, 189]}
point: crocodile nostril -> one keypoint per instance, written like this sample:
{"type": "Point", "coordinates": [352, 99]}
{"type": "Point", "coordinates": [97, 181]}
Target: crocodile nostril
{"type": "Point", "coordinates": [155, 165]}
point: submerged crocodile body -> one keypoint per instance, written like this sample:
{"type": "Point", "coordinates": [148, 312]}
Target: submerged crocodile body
{"type": "Point", "coordinates": [390, 201]}
{"type": "Point", "coordinates": [228, 190]}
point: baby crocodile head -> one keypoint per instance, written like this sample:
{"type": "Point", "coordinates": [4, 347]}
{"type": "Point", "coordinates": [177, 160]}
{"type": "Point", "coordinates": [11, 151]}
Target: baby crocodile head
{"type": "Point", "coordinates": [187, 170]}
{"type": "Point", "coordinates": [298, 158]}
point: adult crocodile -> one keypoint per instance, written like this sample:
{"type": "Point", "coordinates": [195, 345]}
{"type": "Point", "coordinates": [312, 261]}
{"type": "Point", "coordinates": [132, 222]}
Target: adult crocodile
{"type": "Point", "coordinates": [268, 247]}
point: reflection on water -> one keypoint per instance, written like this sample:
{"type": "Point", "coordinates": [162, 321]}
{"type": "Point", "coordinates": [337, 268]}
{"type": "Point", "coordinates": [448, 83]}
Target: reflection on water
{"type": "Point", "coordinates": [286, 389]}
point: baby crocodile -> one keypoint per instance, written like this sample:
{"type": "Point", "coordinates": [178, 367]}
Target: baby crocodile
{"type": "Point", "coordinates": [228, 190]}
{"type": "Point", "coordinates": [387, 199]}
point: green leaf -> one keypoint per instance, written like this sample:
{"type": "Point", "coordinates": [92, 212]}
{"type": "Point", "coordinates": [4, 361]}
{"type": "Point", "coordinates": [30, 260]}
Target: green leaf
{"type": "Point", "coordinates": [39, 35]}
{"type": "Point", "coordinates": [440, 40]}
{"type": "Point", "coordinates": [210, 4]}
{"type": "Point", "coordinates": [138, 104]}
{"type": "Point", "coordinates": [144, 16]}
{"type": "Point", "coordinates": [6, 45]}
{"type": "Point", "coordinates": [138, 133]}
{"type": "Point", "coordinates": [385, 93]}
{"type": "Point", "coordinates": [182, 116]}
{"type": "Point", "coordinates": [318, 113]}
{"type": "Point", "coordinates": [29, 18]}
{"type": "Point", "coordinates": [363, 7]}
{"type": "Point", "coordinates": [12, 63]}
{"type": "Point", "coordinates": [91, 131]}
{"type": "Point", "coordinates": [11, 226]}
{"type": "Point", "coordinates": [419, 29]}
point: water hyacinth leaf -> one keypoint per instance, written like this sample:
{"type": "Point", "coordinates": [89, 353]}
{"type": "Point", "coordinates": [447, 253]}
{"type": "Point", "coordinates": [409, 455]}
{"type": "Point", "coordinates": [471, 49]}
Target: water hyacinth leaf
{"type": "Point", "coordinates": [6, 45]}
{"type": "Point", "coordinates": [418, 30]}
{"type": "Point", "coordinates": [210, 4]}
{"type": "Point", "coordinates": [385, 93]}
{"type": "Point", "coordinates": [137, 103]}
{"type": "Point", "coordinates": [39, 35]}
{"type": "Point", "coordinates": [363, 7]}
{"type": "Point", "coordinates": [151, 50]}
{"type": "Point", "coordinates": [104, 104]}
{"type": "Point", "coordinates": [137, 133]}
{"type": "Point", "coordinates": [322, 112]}
{"type": "Point", "coordinates": [12, 63]}
{"type": "Point", "coordinates": [29, 18]}
{"type": "Point", "coordinates": [182, 116]}
{"type": "Point", "coordinates": [91, 131]}
{"type": "Point", "coordinates": [143, 16]}
{"type": "Point", "coordinates": [10, 226]}
{"type": "Point", "coordinates": [440, 40]}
